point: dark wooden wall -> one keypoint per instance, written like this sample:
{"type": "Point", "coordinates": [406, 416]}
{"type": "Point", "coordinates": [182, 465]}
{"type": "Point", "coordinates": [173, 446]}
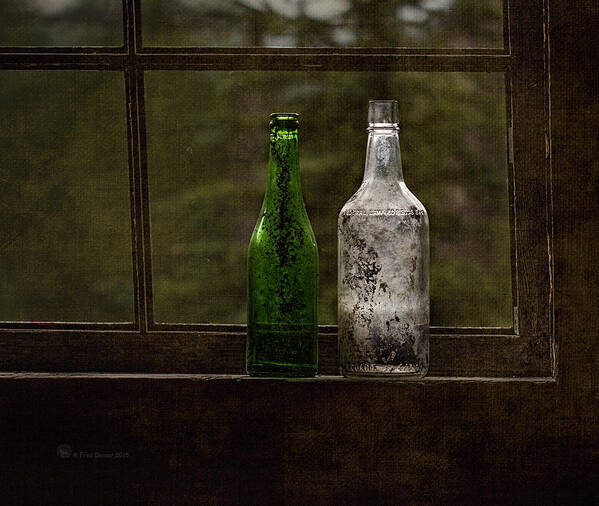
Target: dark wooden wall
{"type": "Point", "coordinates": [227, 440]}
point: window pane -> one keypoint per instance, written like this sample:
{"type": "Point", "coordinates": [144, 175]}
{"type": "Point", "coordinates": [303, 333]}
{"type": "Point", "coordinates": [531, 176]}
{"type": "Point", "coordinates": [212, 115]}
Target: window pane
{"type": "Point", "coordinates": [61, 23]}
{"type": "Point", "coordinates": [207, 156]}
{"type": "Point", "coordinates": [332, 23]}
{"type": "Point", "coordinates": [66, 241]}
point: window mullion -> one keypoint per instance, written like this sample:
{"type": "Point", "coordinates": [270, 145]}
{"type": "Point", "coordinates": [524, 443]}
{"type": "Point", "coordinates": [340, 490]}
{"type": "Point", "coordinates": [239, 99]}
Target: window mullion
{"type": "Point", "coordinates": [171, 60]}
{"type": "Point", "coordinates": [140, 224]}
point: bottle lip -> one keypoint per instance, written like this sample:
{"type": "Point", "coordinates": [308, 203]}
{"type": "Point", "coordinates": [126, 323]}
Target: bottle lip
{"type": "Point", "coordinates": [383, 126]}
{"type": "Point", "coordinates": [383, 114]}
{"type": "Point", "coordinates": [284, 115]}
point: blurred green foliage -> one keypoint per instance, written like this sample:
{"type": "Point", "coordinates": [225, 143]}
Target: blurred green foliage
{"type": "Point", "coordinates": [333, 23]}
{"type": "Point", "coordinates": [65, 204]}
{"type": "Point", "coordinates": [207, 139]}
{"type": "Point", "coordinates": [61, 23]}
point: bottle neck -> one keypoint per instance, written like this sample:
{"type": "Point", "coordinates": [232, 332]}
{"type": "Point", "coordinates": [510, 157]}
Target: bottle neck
{"type": "Point", "coordinates": [284, 186]}
{"type": "Point", "coordinates": [383, 156]}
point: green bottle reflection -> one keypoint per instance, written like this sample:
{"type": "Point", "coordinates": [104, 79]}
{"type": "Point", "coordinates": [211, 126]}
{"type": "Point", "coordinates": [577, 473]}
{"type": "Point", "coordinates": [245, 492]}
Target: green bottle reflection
{"type": "Point", "coordinates": [283, 267]}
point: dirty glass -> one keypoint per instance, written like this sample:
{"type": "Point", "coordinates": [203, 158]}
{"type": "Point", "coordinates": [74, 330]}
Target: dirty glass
{"type": "Point", "coordinates": [64, 197]}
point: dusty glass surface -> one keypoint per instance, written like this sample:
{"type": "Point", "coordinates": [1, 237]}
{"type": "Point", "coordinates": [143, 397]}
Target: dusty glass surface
{"type": "Point", "coordinates": [61, 23]}
{"type": "Point", "coordinates": [320, 23]}
{"type": "Point", "coordinates": [282, 331]}
{"type": "Point", "coordinates": [383, 263]}
{"type": "Point", "coordinates": [64, 194]}
{"type": "Point", "coordinates": [208, 162]}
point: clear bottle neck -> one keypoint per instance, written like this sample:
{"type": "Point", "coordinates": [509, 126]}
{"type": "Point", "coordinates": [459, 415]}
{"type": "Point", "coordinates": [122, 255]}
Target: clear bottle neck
{"type": "Point", "coordinates": [383, 156]}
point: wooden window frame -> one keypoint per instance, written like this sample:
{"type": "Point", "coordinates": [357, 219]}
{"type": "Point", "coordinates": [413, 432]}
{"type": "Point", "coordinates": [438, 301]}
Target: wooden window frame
{"type": "Point", "coordinates": [525, 350]}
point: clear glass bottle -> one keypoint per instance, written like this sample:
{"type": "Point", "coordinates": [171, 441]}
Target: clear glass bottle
{"type": "Point", "coordinates": [282, 335]}
{"type": "Point", "coordinates": [383, 263]}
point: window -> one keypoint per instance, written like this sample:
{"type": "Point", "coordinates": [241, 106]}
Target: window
{"type": "Point", "coordinates": [118, 257]}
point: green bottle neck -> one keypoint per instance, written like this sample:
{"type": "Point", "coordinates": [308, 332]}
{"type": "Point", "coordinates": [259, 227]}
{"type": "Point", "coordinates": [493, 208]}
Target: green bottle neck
{"type": "Point", "coordinates": [284, 186]}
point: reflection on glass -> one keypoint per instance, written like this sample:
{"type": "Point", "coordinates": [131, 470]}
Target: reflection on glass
{"type": "Point", "coordinates": [324, 23]}
{"type": "Point", "coordinates": [64, 212]}
{"type": "Point", "coordinates": [208, 168]}
{"type": "Point", "coordinates": [61, 23]}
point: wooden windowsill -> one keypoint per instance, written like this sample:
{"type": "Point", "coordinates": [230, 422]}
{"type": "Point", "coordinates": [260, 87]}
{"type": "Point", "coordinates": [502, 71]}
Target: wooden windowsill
{"type": "Point", "coordinates": [245, 377]}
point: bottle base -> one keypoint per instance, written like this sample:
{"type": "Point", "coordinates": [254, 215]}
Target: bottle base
{"type": "Point", "coordinates": [386, 371]}
{"type": "Point", "coordinates": [276, 370]}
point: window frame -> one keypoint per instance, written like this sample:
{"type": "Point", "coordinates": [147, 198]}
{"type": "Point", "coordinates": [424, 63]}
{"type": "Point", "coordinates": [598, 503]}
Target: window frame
{"type": "Point", "coordinates": [527, 349]}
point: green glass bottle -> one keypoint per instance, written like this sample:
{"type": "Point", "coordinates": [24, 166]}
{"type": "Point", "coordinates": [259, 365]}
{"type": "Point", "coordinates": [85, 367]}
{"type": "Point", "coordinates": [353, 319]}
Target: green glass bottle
{"type": "Point", "coordinates": [283, 267]}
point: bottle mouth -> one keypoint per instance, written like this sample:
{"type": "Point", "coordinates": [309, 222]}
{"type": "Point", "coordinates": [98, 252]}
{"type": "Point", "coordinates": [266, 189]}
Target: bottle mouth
{"type": "Point", "coordinates": [284, 121]}
{"type": "Point", "coordinates": [383, 114]}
